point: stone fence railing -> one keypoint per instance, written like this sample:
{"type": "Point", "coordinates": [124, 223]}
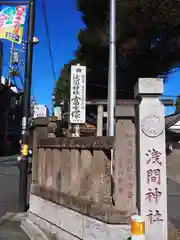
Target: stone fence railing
{"type": "Point", "coordinates": [77, 173]}
{"type": "Point", "coordinates": [83, 180]}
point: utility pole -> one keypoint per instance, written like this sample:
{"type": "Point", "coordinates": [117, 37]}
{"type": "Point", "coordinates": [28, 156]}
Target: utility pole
{"type": "Point", "coordinates": [112, 70]}
{"type": "Point", "coordinates": [10, 76]}
{"type": "Point", "coordinates": [11, 64]}
{"type": "Point", "coordinates": [26, 109]}
{"type": "Point", "coordinates": [1, 58]}
{"type": "Point", "coordinates": [53, 103]}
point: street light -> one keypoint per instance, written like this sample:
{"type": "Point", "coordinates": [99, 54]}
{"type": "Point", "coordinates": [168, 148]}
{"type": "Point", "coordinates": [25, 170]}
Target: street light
{"type": "Point", "coordinates": [35, 40]}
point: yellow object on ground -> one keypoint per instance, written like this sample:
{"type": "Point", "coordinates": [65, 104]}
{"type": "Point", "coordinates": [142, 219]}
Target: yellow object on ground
{"type": "Point", "coordinates": [25, 150]}
{"type": "Point", "coordinates": [137, 228]}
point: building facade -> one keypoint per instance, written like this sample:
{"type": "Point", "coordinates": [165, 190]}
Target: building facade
{"type": "Point", "coordinates": [11, 108]}
{"type": "Point", "coordinates": [173, 132]}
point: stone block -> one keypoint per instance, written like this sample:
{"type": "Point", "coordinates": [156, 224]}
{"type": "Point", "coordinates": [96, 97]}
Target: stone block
{"type": "Point", "coordinates": [149, 86]}
{"type": "Point", "coordinates": [61, 223]}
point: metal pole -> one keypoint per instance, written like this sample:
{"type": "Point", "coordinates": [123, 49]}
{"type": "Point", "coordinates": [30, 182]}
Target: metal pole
{"type": "Point", "coordinates": [112, 69]}
{"type": "Point", "coordinates": [26, 110]}
{"type": "Point", "coordinates": [13, 3]}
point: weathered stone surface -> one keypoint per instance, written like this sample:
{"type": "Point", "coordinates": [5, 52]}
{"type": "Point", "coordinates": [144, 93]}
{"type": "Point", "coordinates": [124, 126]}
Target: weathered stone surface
{"type": "Point", "coordinates": [125, 167]}
{"type": "Point", "coordinates": [151, 158]}
{"type": "Point", "coordinates": [99, 143]}
{"type": "Point", "coordinates": [62, 223]}
{"type": "Point", "coordinates": [105, 213]}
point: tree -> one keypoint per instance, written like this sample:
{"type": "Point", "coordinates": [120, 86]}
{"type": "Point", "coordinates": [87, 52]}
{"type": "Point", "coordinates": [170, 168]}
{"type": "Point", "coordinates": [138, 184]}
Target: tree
{"type": "Point", "coordinates": [148, 42]}
{"type": "Point", "coordinates": [178, 104]}
{"type": "Point", "coordinates": [61, 90]}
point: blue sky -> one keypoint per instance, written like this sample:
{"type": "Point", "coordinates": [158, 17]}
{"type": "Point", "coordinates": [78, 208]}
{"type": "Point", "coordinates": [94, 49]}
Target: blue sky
{"type": "Point", "coordinates": [64, 24]}
{"type": "Point", "coordinates": [172, 89]}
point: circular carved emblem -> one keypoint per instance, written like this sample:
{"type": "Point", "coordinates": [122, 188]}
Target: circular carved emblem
{"type": "Point", "coordinates": [152, 125]}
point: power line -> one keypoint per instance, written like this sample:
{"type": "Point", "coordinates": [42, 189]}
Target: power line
{"type": "Point", "coordinates": [48, 39]}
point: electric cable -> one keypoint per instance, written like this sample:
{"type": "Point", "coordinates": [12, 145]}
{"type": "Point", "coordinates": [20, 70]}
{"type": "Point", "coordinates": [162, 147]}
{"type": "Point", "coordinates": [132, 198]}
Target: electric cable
{"type": "Point", "coordinates": [48, 39]}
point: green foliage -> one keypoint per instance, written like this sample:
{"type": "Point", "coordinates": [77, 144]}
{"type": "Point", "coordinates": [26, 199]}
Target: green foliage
{"type": "Point", "coordinates": [147, 42]}
{"type": "Point", "coordinates": [61, 90]}
{"type": "Point", "coordinates": [178, 104]}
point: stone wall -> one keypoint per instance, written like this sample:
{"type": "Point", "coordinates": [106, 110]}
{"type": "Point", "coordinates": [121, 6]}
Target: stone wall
{"type": "Point", "coordinates": [47, 220]}
{"type": "Point", "coordinates": [80, 180]}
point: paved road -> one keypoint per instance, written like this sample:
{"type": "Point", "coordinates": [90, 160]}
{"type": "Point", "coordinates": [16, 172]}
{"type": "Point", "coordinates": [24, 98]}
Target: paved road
{"type": "Point", "coordinates": [9, 185]}
{"type": "Point", "coordinates": [174, 203]}
{"type": "Point", "coordinates": [9, 189]}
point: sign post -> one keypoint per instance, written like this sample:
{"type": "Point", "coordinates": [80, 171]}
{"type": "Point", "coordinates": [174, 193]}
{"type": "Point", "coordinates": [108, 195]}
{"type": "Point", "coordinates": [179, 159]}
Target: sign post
{"type": "Point", "coordinates": [78, 97]}
{"type": "Point", "coordinates": [40, 111]}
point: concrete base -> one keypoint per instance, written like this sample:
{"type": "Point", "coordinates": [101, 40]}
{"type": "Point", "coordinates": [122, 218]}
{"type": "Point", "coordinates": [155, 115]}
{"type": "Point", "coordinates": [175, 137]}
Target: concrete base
{"type": "Point", "coordinates": [10, 226]}
{"type": "Point", "coordinates": [52, 221]}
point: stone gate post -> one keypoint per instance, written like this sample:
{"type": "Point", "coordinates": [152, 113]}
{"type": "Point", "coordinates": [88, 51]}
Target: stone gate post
{"type": "Point", "coordinates": [151, 157]}
{"type": "Point", "coordinates": [39, 128]}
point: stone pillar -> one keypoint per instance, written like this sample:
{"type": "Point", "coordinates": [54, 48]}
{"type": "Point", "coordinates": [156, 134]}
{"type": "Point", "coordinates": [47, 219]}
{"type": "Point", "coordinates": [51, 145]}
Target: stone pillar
{"type": "Point", "coordinates": [39, 129]}
{"type": "Point", "coordinates": [125, 167]}
{"type": "Point", "coordinates": [151, 157]}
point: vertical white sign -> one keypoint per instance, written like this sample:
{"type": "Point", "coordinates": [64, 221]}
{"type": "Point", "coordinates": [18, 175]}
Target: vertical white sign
{"type": "Point", "coordinates": [40, 111]}
{"type": "Point", "coordinates": [152, 160]}
{"type": "Point", "coordinates": [78, 95]}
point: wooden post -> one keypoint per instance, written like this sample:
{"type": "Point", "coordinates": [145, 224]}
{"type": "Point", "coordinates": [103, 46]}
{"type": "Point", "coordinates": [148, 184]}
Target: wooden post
{"type": "Point", "coordinates": [77, 130]}
{"type": "Point", "coordinates": [100, 113]}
